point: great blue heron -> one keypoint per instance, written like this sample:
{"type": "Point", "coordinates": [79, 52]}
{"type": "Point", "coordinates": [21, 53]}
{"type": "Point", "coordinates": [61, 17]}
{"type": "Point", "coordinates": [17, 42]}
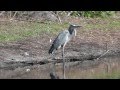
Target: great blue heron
{"type": "Point", "coordinates": [61, 40]}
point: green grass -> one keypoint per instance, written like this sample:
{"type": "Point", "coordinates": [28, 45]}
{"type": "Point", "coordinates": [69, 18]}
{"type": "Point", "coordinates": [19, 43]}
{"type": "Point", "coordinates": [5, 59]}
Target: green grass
{"type": "Point", "coordinates": [12, 31]}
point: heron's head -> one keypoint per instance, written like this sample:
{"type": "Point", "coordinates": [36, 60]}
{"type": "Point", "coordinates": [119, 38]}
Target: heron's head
{"type": "Point", "coordinates": [72, 29]}
{"type": "Point", "coordinates": [73, 26]}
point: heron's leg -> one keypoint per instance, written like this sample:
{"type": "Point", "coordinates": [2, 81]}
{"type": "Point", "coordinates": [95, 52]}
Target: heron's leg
{"type": "Point", "coordinates": [53, 63]}
{"type": "Point", "coordinates": [53, 56]}
{"type": "Point", "coordinates": [63, 62]}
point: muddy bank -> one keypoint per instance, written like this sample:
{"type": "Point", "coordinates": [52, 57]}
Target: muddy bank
{"type": "Point", "coordinates": [12, 59]}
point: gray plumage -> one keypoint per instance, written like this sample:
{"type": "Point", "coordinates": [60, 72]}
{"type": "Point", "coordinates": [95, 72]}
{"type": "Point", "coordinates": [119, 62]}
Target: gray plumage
{"type": "Point", "coordinates": [63, 38]}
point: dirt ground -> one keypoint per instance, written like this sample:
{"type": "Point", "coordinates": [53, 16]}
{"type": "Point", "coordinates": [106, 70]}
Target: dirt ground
{"type": "Point", "coordinates": [28, 59]}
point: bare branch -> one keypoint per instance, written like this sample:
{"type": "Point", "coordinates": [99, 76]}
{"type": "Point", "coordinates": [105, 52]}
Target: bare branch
{"type": "Point", "coordinates": [103, 54]}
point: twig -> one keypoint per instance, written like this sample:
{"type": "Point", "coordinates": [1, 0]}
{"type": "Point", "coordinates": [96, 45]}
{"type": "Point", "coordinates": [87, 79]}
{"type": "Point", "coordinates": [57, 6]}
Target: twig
{"type": "Point", "coordinates": [15, 14]}
{"type": "Point", "coordinates": [103, 54]}
{"type": "Point", "coordinates": [2, 13]}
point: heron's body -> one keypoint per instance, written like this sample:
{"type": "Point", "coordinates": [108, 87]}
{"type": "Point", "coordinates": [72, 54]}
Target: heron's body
{"type": "Point", "coordinates": [61, 40]}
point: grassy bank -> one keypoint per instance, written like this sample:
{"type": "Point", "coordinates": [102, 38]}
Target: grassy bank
{"type": "Point", "coordinates": [12, 31]}
{"type": "Point", "coordinates": [15, 30]}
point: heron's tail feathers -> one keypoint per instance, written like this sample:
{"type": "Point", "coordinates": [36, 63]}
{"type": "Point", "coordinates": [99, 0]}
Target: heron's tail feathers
{"type": "Point", "coordinates": [51, 49]}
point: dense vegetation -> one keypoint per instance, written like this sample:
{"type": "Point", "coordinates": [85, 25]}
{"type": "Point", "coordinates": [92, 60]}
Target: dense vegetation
{"type": "Point", "coordinates": [29, 14]}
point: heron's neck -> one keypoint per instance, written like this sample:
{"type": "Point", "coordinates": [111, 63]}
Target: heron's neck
{"type": "Point", "coordinates": [71, 30]}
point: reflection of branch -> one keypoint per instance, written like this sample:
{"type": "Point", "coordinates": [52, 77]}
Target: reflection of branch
{"type": "Point", "coordinates": [103, 54]}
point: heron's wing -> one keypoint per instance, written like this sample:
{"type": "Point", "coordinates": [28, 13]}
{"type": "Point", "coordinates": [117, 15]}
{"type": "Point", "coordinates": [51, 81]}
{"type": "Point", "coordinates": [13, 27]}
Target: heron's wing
{"type": "Point", "coordinates": [61, 38]}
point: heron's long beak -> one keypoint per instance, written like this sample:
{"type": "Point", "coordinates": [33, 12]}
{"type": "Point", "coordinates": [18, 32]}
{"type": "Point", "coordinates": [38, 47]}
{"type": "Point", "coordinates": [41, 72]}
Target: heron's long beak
{"type": "Point", "coordinates": [78, 26]}
{"type": "Point", "coordinates": [75, 29]}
